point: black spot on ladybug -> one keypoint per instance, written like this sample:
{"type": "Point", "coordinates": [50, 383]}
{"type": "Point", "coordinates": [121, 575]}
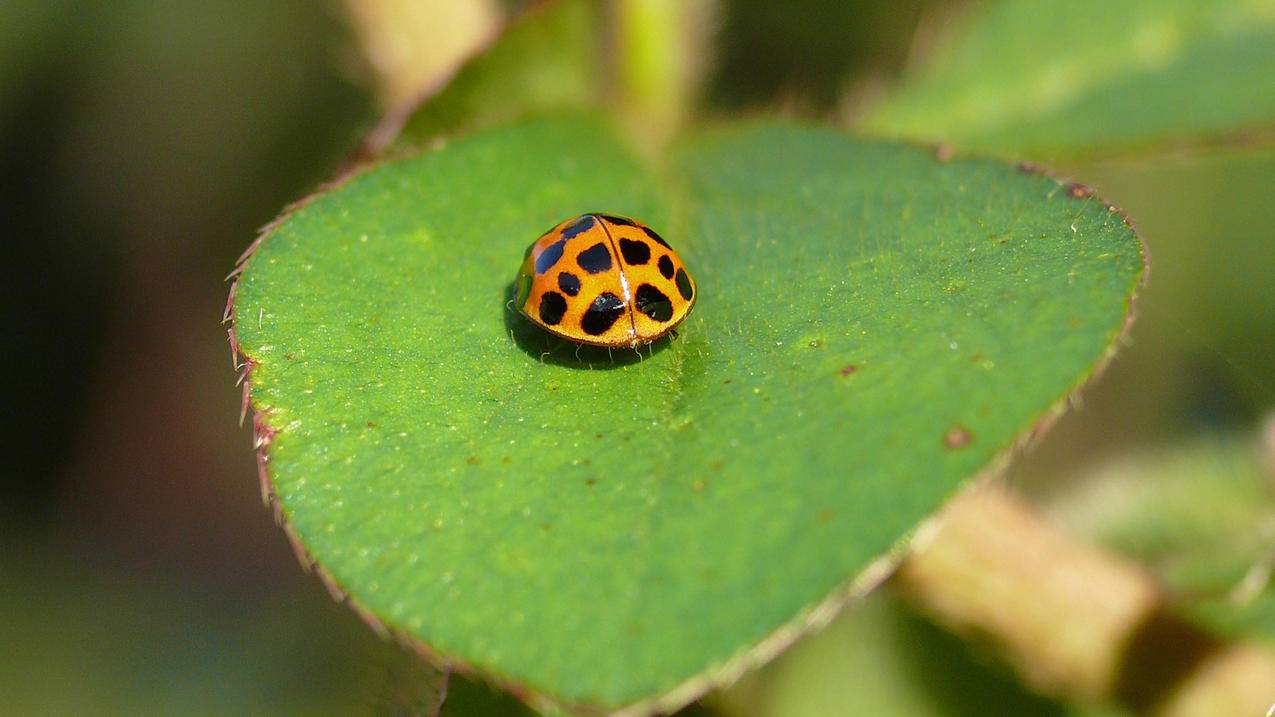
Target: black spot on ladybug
{"type": "Point", "coordinates": [684, 285]}
{"type": "Point", "coordinates": [596, 259]}
{"type": "Point", "coordinates": [552, 307]}
{"type": "Point", "coordinates": [569, 283]}
{"type": "Point", "coordinates": [550, 256]}
{"type": "Point", "coordinates": [652, 302]}
{"type": "Point", "coordinates": [666, 266]}
{"type": "Point", "coordinates": [635, 252]}
{"type": "Point", "coordinates": [579, 226]}
{"type": "Point", "coordinates": [622, 221]}
{"type": "Point", "coordinates": [602, 314]}
{"type": "Point", "coordinates": [656, 237]}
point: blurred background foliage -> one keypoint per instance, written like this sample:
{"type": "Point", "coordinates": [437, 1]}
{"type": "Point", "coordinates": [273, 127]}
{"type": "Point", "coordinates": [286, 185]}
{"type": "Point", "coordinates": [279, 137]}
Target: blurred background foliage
{"type": "Point", "coordinates": [143, 143]}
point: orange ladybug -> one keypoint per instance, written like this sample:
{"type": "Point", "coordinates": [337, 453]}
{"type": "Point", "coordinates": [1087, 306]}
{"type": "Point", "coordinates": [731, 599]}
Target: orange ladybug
{"type": "Point", "coordinates": [604, 280]}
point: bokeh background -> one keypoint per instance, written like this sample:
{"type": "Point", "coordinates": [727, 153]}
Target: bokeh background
{"type": "Point", "coordinates": [143, 143]}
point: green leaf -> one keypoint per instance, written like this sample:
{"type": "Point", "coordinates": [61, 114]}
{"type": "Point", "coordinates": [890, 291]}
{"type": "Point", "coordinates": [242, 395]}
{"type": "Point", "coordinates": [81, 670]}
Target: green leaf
{"type": "Point", "coordinates": [549, 59]}
{"type": "Point", "coordinates": [874, 325]}
{"type": "Point", "coordinates": [1064, 79]}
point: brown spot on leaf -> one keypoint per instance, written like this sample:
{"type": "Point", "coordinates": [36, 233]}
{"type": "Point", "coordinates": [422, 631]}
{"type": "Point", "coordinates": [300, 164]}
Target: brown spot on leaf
{"type": "Point", "coordinates": [726, 382]}
{"type": "Point", "coordinates": [957, 437]}
{"type": "Point", "coordinates": [371, 424]}
{"type": "Point", "coordinates": [590, 481]}
{"type": "Point", "coordinates": [472, 460]}
{"type": "Point", "coordinates": [1076, 190]}
{"type": "Point", "coordinates": [943, 152]}
{"type": "Point", "coordinates": [698, 486]}
{"type": "Point", "coordinates": [1030, 168]}
{"type": "Point", "coordinates": [506, 460]}
{"type": "Point", "coordinates": [824, 516]}
{"type": "Point", "coordinates": [848, 369]}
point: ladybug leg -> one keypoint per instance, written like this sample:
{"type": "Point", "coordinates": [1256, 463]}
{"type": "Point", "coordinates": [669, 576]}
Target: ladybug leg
{"type": "Point", "coordinates": [549, 348]}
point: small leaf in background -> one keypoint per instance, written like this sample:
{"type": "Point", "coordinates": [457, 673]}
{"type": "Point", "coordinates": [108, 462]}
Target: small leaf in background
{"type": "Point", "coordinates": [641, 59]}
{"type": "Point", "coordinates": [874, 326]}
{"type": "Point", "coordinates": [549, 59]}
{"type": "Point", "coordinates": [1202, 516]}
{"type": "Point", "coordinates": [1044, 80]}
{"type": "Point", "coordinates": [411, 45]}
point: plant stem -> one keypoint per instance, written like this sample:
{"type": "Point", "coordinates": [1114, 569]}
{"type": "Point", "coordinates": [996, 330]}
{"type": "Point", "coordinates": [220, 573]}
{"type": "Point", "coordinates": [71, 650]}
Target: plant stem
{"type": "Point", "coordinates": [1075, 621]}
{"type": "Point", "coordinates": [657, 57]}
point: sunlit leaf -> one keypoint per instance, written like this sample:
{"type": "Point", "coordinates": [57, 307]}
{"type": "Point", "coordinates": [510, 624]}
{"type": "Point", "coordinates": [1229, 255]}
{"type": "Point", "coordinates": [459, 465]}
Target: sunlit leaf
{"type": "Point", "coordinates": [874, 326]}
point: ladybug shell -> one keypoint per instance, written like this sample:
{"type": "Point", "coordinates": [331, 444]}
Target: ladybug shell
{"type": "Point", "coordinates": [604, 280]}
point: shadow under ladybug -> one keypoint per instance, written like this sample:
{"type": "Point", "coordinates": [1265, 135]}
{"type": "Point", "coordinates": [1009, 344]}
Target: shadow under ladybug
{"type": "Point", "coordinates": [547, 348]}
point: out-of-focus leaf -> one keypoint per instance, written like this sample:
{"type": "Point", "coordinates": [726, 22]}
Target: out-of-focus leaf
{"type": "Point", "coordinates": [1201, 515]}
{"type": "Point", "coordinates": [549, 59]}
{"type": "Point", "coordinates": [1049, 80]}
{"type": "Point", "coordinates": [408, 45]}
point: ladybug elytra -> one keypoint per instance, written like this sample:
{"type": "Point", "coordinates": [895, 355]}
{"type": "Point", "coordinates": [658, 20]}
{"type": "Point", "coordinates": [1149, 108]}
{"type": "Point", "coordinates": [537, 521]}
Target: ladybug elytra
{"type": "Point", "coordinates": [604, 280]}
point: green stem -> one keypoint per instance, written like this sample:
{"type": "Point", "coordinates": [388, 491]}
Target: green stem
{"type": "Point", "coordinates": [656, 60]}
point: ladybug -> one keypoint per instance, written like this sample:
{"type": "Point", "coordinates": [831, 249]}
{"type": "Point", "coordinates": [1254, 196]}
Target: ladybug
{"type": "Point", "coordinates": [604, 280]}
